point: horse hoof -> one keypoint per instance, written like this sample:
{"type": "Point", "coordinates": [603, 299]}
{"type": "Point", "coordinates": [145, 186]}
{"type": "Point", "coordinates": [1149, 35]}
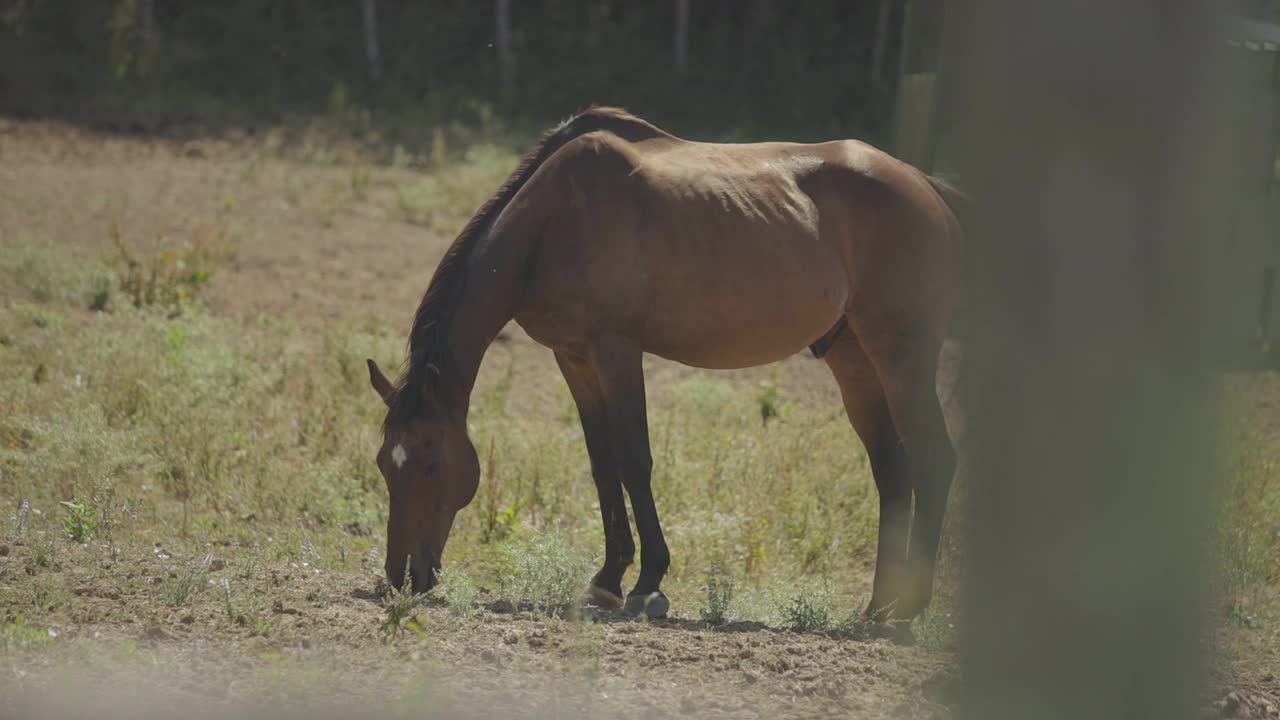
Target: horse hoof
{"type": "Point", "coordinates": [601, 598]}
{"type": "Point", "coordinates": [654, 605]}
{"type": "Point", "coordinates": [897, 632]}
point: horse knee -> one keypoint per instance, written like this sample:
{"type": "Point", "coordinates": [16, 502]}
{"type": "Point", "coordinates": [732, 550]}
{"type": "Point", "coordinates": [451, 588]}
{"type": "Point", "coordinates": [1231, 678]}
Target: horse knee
{"type": "Point", "coordinates": [636, 472]}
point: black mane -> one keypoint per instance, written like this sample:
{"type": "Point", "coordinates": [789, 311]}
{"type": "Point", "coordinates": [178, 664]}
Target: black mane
{"type": "Point", "coordinates": [427, 338]}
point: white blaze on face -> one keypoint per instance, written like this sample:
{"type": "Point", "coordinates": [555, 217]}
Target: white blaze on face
{"type": "Point", "coordinates": [398, 455]}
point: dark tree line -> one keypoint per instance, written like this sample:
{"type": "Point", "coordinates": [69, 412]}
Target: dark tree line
{"type": "Point", "coordinates": [819, 68]}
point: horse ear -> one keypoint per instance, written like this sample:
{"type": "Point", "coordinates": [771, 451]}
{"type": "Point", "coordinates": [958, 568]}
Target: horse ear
{"type": "Point", "coordinates": [379, 381]}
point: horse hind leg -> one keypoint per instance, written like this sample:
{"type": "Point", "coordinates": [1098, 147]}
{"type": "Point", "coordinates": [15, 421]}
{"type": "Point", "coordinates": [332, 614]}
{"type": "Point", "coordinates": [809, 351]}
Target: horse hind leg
{"type": "Point", "coordinates": [868, 411]}
{"type": "Point", "coordinates": [907, 367]}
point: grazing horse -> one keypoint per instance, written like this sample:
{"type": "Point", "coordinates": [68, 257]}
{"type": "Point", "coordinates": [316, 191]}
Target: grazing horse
{"type": "Point", "coordinates": [614, 238]}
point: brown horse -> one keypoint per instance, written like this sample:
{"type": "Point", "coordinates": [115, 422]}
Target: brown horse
{"type": "Point", "coordinates": [614, 238]}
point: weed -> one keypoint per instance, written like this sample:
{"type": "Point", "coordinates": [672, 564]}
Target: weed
{"type": "Point", "coordinates": [249, 567]}
{"type": "Point", "coordinates": [398, 605]}
{"type": "Point", "coordinates": [101, 288]}
{"type": "Point", "coordinates": [46, 275]}
{"type": "Point", "coordinates": [770, 401]}
{"type": "Point", "coordinates": [458, 592]}
{"type": "Point", "coordinates": [82, 520]}
{"type": "Point", "coordinates": [45, 553]}
{"type": "Point", "coordinates": [370, 563]}
{"type": "Point", "coordinates": [853, 627]}
{"type": "Point", "coordinates": [18, 635]}
{"type": "Point", "coordinates": [439, 149]}
{"type": "Point", "coordinates": [189, 582]}
{"type": "Point", "coordinates": [719, 599]}
{"type": "Point", "coordinates": [167, 277]}
{"type": "Point", "coordinates": [18, 522]}
{"type": "Point", "coordinates": [226, 598]}
{"type": "Point", "coordinates": [361, 179]}
{"type": "Point", "coordinates": [1249, 537]}
{"type": "Point", "coordinates": [934, 630]}
{"type": "Point", "coordinates": [498, 519]}
{"type": "Point", "coordinates": [47, 596]}
{"type": "Point", "coordinates": [807, 609]}
{"type": "Point", "coordinates": [548, 574]}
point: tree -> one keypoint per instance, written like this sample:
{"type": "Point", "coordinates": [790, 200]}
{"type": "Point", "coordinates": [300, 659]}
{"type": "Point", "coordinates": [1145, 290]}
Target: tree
{"type": "Point", "coordinates": [880, 48]}
{"type": "Point", "coordinates": [681, 48]}
{"type": "Point", "coordinates": [502, 34]}
{"type": "Point", "coordinates": [372, 51]}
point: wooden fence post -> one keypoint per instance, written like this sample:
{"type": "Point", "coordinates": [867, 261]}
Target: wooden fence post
{"type": "Point", "coordinates": [1092, 251]}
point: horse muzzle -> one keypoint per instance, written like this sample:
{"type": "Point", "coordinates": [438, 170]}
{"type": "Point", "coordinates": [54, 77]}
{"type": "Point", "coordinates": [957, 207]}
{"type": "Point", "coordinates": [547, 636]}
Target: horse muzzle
{"type": "Point", "coordinates": [422, 567]}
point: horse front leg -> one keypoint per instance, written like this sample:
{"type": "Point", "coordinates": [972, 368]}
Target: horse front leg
{"type": "Point", "coordinates": [619, 547]}
{"type": "Point", "coordinates": [619, 368]}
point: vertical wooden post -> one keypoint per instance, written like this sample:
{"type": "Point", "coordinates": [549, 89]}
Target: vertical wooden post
{"type": "Point", "coordinates": [1092, 257]}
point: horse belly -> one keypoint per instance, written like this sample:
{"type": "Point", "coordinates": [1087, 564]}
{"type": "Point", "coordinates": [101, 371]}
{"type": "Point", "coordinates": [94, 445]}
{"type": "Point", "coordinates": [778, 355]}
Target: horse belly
{"type": "Point", "coordinates": [758, 304]}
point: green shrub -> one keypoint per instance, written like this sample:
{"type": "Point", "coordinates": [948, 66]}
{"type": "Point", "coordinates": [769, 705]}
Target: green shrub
{"type": "Point", "coordinates": [189, 582]}
{"type": "Point", "coordinates": [719, 600]}
{"type": "Point", "coordinates": [398, 605]}
{"type": "Point", "coordinates": [458, 592]}
{"type": "Point", "coordinates": [168, 275]}
{"type": "Point", "coordinates": [19, 635]}
{"type": "Point", "coordinates": [547, 573]}
{"type": "Point", "coordinates": [806, 609]}
{"type": "Point", "coordinates": [81, 522]}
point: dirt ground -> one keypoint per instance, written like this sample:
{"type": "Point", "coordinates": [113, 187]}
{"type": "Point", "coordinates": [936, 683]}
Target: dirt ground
{"type": "Point", "coordinates": [300, 246]}
{"type": "Point", "coordinates": [322, 625]}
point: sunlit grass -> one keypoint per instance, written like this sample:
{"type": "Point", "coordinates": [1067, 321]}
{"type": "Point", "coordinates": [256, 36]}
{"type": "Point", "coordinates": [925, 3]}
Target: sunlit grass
{"type": "Point", "coordinates": [135, 431]}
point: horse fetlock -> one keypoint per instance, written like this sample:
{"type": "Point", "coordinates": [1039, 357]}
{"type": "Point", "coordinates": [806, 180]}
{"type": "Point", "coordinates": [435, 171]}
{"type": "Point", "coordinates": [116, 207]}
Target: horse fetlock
{"type": "Point", "coordinates": [880, 610]}
{"type": "Point", "coordinates": [609, 578]}
{"type": "Point", "coordinates": [916, 599]}
{"type": "Point", "coordinates": [602, 597]}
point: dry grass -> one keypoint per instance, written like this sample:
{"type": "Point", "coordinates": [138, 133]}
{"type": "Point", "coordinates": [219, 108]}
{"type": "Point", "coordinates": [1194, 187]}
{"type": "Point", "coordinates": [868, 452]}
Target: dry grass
{"type": "Point", "coordinates": [201, 404]}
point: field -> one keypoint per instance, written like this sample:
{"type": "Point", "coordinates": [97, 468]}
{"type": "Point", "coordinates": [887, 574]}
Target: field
{"type": "Point", "coordinates": [191, 516]}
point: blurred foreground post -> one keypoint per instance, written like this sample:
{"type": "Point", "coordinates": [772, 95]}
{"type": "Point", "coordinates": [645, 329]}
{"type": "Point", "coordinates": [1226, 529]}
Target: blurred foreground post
{"type": "Point", "coordinates": [1086, 149]}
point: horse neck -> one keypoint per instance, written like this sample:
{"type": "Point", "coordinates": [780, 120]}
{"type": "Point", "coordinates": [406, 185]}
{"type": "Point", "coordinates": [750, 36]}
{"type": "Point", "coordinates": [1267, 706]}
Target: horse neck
{"type": "Point", "coordinates": [488, 301]}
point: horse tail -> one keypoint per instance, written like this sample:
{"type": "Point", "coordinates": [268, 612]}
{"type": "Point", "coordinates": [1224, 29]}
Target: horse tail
{"type": "Point", "coordinates": [961, 206]}
{"type": "Point", "coordinates": [956, 199]}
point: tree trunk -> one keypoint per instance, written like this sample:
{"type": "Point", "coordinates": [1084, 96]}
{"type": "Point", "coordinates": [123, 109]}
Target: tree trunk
{"type": "Point", "coordinates": [147, 24]}
{"type": "Point", "coordinates": [681, 49]}
{"type": "Point", "coordinates": [502, 33]}
{"type": "Point", "coordinates": [880, 44]}
{"type": "Point", "coordinates": [372, 51]}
